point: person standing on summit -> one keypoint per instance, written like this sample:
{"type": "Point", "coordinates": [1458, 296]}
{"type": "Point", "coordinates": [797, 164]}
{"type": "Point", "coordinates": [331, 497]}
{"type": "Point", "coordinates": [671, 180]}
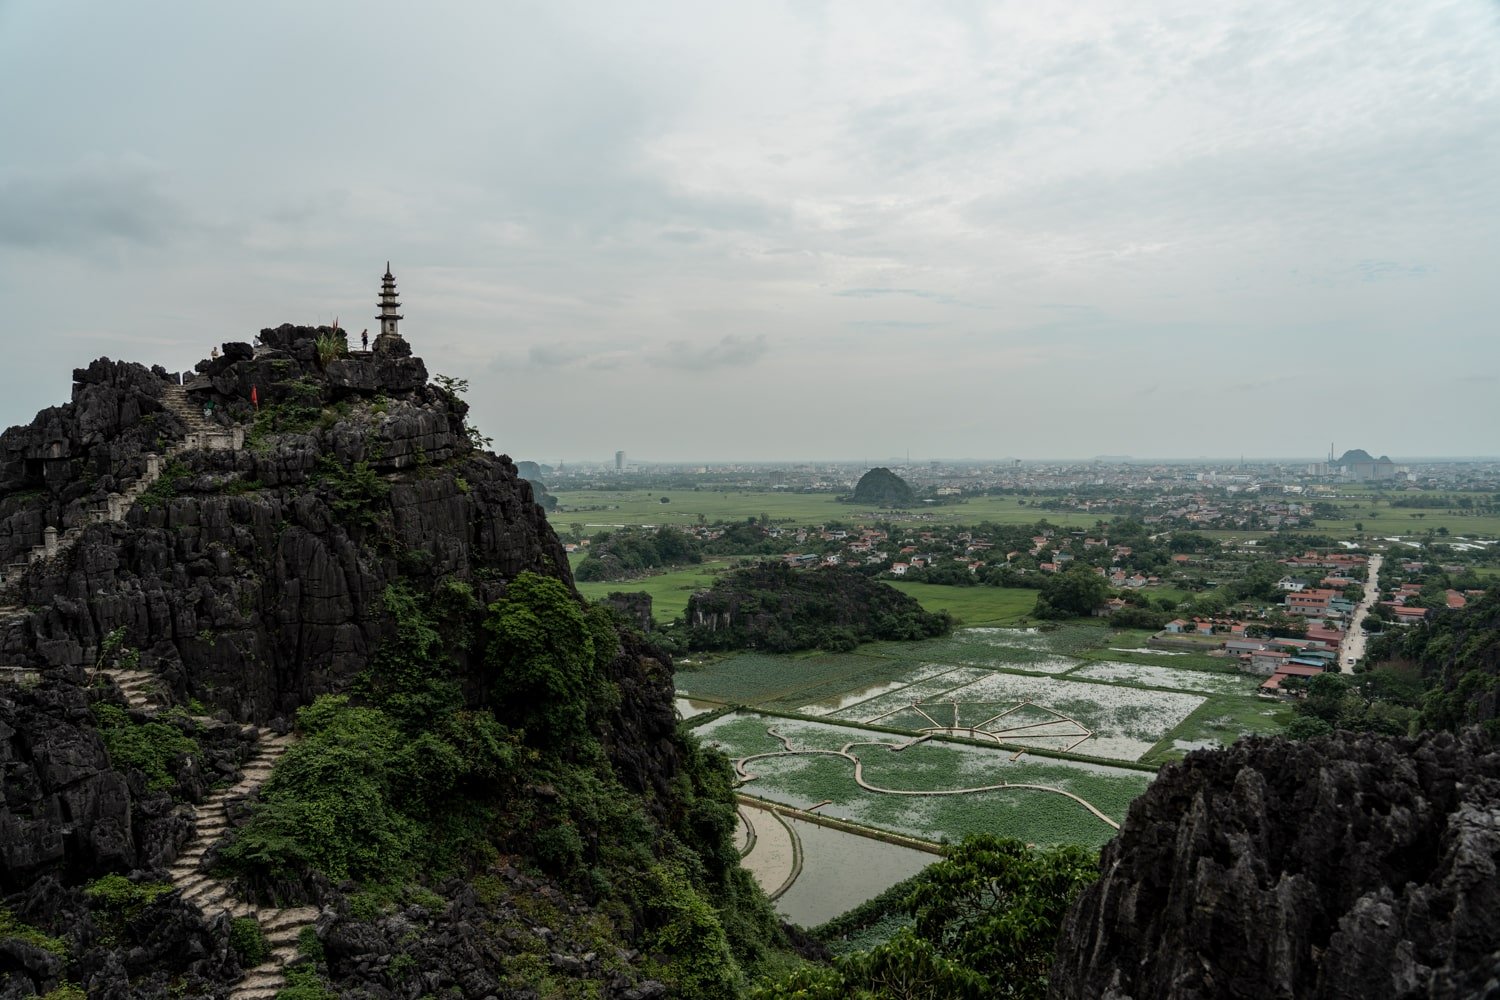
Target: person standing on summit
{"type": "Point", "coordinates": [364, 339]}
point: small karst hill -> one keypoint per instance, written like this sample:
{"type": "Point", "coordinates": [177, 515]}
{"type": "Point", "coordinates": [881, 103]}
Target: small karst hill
{"type": "Point", "coordinates": [881, 487]}
{"type": "Point", "coordinates": [286, 656]}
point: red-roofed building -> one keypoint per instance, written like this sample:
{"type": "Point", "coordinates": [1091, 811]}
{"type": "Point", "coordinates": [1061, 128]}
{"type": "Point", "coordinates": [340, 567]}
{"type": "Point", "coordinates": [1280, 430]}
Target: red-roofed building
{"type": "Point", "coordinates": [1313, 603]}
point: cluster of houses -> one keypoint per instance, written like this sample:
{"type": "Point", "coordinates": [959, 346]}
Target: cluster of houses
{"type": "Point", "coordinates": [1275, 657]}
{"type": "Point", "coordinates": [1239, 507]}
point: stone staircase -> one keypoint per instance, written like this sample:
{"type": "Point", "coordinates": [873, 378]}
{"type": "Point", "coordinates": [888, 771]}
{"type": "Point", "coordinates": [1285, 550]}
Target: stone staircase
{"type": "Point", "coordinates": [143, 691]}
{"type": "Point", "coordinates": [281, 926]}
{"type": "Point", "coordinates": [202, 434]}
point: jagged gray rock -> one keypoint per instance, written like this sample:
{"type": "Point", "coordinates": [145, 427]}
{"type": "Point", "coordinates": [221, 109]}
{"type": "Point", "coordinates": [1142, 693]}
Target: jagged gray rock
{"type": "Point", "coordinates": [1348, 866]}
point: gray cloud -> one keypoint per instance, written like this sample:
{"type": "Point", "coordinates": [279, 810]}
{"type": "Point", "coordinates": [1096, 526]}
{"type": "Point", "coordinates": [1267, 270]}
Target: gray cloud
{"type": "Point", "coordinates": [83, 206]}
{"type": "Point", "coordinates": [730, 351]}
{"type": "Point", "coordinates": [981, 203]}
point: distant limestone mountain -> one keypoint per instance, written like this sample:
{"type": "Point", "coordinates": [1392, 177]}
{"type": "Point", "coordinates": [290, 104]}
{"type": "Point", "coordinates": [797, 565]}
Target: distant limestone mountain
{"type": "Point", "coordinates": [882, 488]}
{"type": "Point", "coordinates": [1359, 464]}
{"type": "Point", "coordinates": [1358, 455]}
{"type": "Point", "coordinates": [532, 473]}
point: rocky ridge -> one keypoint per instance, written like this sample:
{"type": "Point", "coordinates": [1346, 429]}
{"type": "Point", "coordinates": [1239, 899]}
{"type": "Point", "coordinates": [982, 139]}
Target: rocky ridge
{"type": "Point", "coordinates": [230, 581]}
{"type": "Point", "coordinates": [1346, 866]}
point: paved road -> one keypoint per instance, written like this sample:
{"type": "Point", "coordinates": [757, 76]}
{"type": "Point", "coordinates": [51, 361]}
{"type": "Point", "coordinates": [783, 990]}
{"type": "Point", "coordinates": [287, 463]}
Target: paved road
{"type": "Point", "coordinates": [1353, 647]}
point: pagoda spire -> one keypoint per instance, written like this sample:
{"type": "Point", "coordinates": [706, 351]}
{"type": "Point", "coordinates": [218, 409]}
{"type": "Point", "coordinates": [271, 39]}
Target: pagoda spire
{"type": "Point", "coordinates": [388, 304]}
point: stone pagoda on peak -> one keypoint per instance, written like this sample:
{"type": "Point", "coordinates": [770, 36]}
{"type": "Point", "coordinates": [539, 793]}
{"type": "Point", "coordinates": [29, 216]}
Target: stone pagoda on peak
{"type": "Point", "coordinates": [389, 341]}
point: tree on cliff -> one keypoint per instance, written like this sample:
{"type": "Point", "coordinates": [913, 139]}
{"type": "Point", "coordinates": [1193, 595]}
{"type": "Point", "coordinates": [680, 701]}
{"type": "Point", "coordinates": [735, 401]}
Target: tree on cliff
{"type": "Point", "coordinates": [883, 488]}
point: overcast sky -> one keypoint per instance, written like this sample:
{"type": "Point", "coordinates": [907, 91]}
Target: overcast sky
{"type": "Point", "coordinates": [787, 230]}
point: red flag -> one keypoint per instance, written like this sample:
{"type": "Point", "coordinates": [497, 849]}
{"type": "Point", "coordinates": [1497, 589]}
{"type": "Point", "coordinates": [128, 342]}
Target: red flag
{"type": "Point", "coordinates": [254, 398]}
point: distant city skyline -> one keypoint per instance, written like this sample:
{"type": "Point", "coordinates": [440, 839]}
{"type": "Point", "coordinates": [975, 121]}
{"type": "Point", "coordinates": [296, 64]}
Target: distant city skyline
{"type": "Point", "coordinates": [778, 229]}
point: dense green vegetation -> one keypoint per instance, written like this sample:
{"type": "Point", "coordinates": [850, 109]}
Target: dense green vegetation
{"type": "Point", "coordinates": [153, 748]}
{"type": "Point", "coordinates": [984, 923]}
{"type": "Point", "coordinates": [431, 771]}
{"type": "Point", "coordinates": [12, 928]}
{"type": "Point", "coordinates": [776, 608]}
{"type": "Point", "coordinates": [1073, 594]}
{"type": "Point", "coordinates": [1457, 657]}
{"type": "Point", "coordinates": [632, 552]}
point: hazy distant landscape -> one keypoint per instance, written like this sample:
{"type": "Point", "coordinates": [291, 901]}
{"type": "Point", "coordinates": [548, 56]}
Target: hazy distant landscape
{"type": "Point", "coordinates": [485, 515]}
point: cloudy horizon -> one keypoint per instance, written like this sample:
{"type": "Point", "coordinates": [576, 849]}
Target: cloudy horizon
{"type": "Point", "coordinates": [787, 231]}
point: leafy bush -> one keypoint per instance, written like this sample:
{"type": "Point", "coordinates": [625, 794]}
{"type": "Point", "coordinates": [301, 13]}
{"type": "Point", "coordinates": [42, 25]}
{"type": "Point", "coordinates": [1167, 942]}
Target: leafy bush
{"type": "Point", "coordinates": [331, 346]}
{"type": "Point", "coordinates": [304, 983]}
{"type": "Point", "coordinates": [357, 493]}
{"type": "Point", "coordinates": [149, 747]}
{"type": "Point", "coordinates": [165, 487]}
{"type": "Point", "coordinates": [66, 991]}
{"type": "Point", "coordinates": [329, 805]}
{"type": "Point", "coordinates": [10, 927]}
{"type": "Point", "coordinates": [248, 941]}
{"type": "Point", "coordinates": [686, 933]}
{"type": "Point", "coordinates": [116, 902]}
{"type": "Point", "coordinates": [115, 655]}
{"type": "Point", "coordinates": [546, 653]}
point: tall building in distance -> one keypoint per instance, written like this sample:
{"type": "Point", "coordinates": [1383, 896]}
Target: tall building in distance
{"type": "Point", "coordinates": [619, 461]}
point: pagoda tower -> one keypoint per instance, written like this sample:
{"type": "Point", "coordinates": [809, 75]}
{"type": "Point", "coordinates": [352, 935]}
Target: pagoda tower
{"type": "Point", "coordinates": [388, 305]}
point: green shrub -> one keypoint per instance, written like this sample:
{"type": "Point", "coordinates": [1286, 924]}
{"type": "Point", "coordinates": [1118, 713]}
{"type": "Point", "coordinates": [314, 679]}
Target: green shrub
{"type": "Point", "coordinates": [304, 983]}
{"type": "Point", "coordinates": [309, 945]}
{"type": "Point", "coordinates": [67, 991]}
{"type": "Point", "coordinates": [165, 487]}
{"type": "Point", "coordinates": [248, 941]}
{"type": "Point", "coordinates": [357, 492]}
{"type": "Point", "coordinates": [686, 932]}
{"type": "Point", "coordinates": [331, 346]}
{"type": "Point", "coordinates": [10, 927]}
{"type": "Point", "coordinates": [116, 901]}
{"type": "Point", "coordinates": [149, 747]}
{"type": "Point", "coordinates": [546, 653]}
{"type": "Point", "coordinates": [328, 804]}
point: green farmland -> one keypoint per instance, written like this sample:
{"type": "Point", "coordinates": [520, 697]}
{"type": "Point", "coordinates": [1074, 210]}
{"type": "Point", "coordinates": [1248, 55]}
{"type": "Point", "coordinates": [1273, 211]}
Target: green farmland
{"type": "Point", "coordinates": [596, 509]}
{"type": "Point", "coordinates": [669, 591]}
{"type": "Point", "coordinates": [970, 605]}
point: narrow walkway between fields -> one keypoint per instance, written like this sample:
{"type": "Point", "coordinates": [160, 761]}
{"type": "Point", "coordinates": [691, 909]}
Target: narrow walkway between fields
{"type": "Point", "coordinates": [745, 776]}
{"type": "Point", "coordinates": [774, 854]}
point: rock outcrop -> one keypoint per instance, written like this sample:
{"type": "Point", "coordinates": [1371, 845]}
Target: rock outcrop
{"type": "Point", "coordinates": [1347, 866]}
{"type": "Point", "coordinates": [247, 581]}
{"type": "Point", "coordinates": [882, 488]}
{"type": "Point", "coordinates": [230, 534]}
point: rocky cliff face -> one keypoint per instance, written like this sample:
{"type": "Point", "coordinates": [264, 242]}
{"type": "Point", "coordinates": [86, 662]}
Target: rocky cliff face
{"type": "Point", "coordinates": [248, 579]}
{"type": "Point", "coordinates": [1348, 866]}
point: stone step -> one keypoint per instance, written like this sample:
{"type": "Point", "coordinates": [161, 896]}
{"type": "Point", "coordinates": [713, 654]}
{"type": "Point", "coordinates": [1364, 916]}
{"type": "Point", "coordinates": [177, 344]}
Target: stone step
{"type": "Point", "coordinates": [205, 894]}
{"type": "Point", "coordinates": [299, 916]}
{"type": "Point", "coordinates": [193, 881]}
{"type": "Point", "coordinates": [257, 992]}
{"type": "Point", "coordinates": [254, 979]}
{"type": "Point", "coordinates": [285, 936]}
